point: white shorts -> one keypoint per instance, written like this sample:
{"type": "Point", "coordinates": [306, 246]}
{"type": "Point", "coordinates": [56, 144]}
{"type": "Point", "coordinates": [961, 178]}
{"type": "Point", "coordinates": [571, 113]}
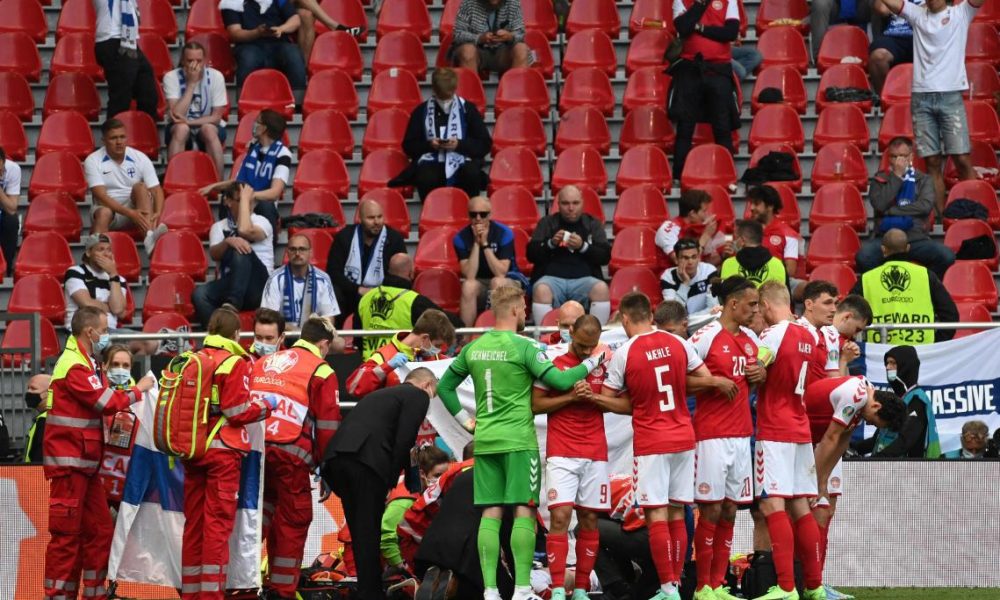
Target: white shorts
{"type": "Point", "coordinates": [579, 482]}
{"type": "Point", "coordinates": [784, 470]}
{"type": "Point", "coordinates": [662, 479]}
{"type": "Point", "coordinates": [834, 484]}
{"type": "Point", "coordinates": [722, 468]}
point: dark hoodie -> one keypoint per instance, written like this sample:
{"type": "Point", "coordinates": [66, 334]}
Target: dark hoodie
{"type": "Point", "coordinates": [912, 437]}
{"type": "Point", "coordinates": [752, 260]}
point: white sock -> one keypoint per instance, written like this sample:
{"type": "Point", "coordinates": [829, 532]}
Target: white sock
{"type": "Point", "coordinates": [668, 588]}
{"type": "Point", "coordinates": [601, 310]}
{"type": "Point", "coordinates": [522, 591]}
{"type": "Point", "coordinates": [538, 312]}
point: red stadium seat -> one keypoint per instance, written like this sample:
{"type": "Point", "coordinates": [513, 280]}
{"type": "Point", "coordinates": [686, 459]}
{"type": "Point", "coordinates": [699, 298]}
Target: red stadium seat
{"type": "Point", "coordinates": [721, 206]}
{"type": "Point", "coordinates": [520, 127]}
{"type": "Point", "coordinates": [161, 103]}
{"type": "Point", "coordinates": [45, 252]}
{"type": "Point", "coordinates": [971, 281]}
{"type": "Point", "coordinates": [640, 206]}
{"type": "Point", "coordinates": [332, 89]}
{"type": "Point", "coordinates": [988, 13]}
{"type": "Point", "coordinates": [441, 286]}
{"type": "Point", "coordinates": [58, 172]}
{"type": "Point", "coordinates": [898, 86]}
{"type": "Point", "coordinates": [485, 320]}
{"type": "Point", "coordinates": [444, 207]}
{"type": "Point", "coordinates": [783, 46]}
{"type": "Point", "coordinates": [634, 247]}
{"type": "Point", "coordinates": [76, 16]}
{"type": "Point", "coordinates": [152, 46]}
{"type": "Point", "coordinates": [320, 240]}
{"type": "Point", "coordinates": [19, 53]}
{"type": "Point", "coordinates": [65, 131]}
{"type": "Point", "coordinates": [845, 75]}
{"type": "Point", "coordinates": [515, 207]}
{"type": "Point", "coordinates": [967, 229]}
{"type": "Point", "coordinates": [544, 63]}
{"type": "Point", "coordinates": [385, 129]}
{"type": "Point", "coordinates": [189, 171]}
{"type": "Point", "coordinates": [786, 11]}
{"type": "Point", "coordinates": [394, 89]}
{"type": "Point", "coordinates": [169, 323]}
{"type": "Point", "coordinates": [321, 170]}
{"type": "Point", "coordinates": [404, 15]}
{"type": "Point", "coordinates": [126, 255]}
{"type": "Point", "coordinates": [54, 212]}
{"type": "Point", "coordinates": [435, 251]}
{"type": "Point", "coordinates": [587, 87]}
{"type": "Point", "coordinates": [590, 48]}
{"type": "Point", "coordinates": [838, 274]}
{"type": "Point", "coordinates": [984, 83]}
{"type": "Point", "coordinates": [983, 123]}
{"type": "Point", "coordinates": [157, 18]}
{"type": "Point", "coordinates": [516, 166]}
{"type": "Point", "coordinates": [188, 211]}
{"type": "Point", "coordinates": [16, 97]}
{"type": "Point", "coordinates": [763, 150]}
{"type": "Point", "coordinates": [169, 293]}
{"type": "Point", "coordinates": [839, 162]}
{"type": "Point", "coordinates": [983, 44]}
{"type": "Point", "coordinates": [646, 124]}
{"type": "Point", "coordinates": [397, 215]}
{"type": "Point", "coordinates": [522, 87]}
{"type": "Point", "coordinates": [143, 134]}
{"type": "Point", "coordinates": [379, 167]}
{"type": "Point", "coordinates": [25, 16]}
{"type": "Point", "coordinates": [647, 86]}
{"type": "Point", "coordinates": [72, 91]}
{"type": "Point", "coordinates": [897, 121]}
{"type": "Point", "coordinates": [644, 164]}
{"type": "Point", "coordinates": [337, 50]}
{"type": "Point", "coordinates": [982, 155]}
{"type": "Point", "coordinates": [521, 239]}
{"type": "Point", "coordinates": [581, 166]}
{"type": "Point", "coordinates": [539, 16]}
{"type": "Point", "coordinates": [13, 140]}
{"type": "Point", "coordinates": [592, 205]}
{"type": "Point", "coordinates": [593, 14]}
{"type": "Point", "coordinates": [583, 125]}
{"type": "Point", "coordinates": [320, 202]}
{"type": "Point", "coordinates": [178, 252]}
{"type": "Point", "coordinates": [971, 312]}
{"type": "Point", "coordinates": [350, 13]}
{"type": "Point", "coordinates": [709, 164]}
{"type": "Point", "coordinates": [786, 79]}
{"type": "Point", "coordinates": [650, 15]}
{"type": "Point", "coordinates": [446, 27]}
{"type": "Point", "coordinates": [842, 41]}
{"type": "Point", "coordinates": [979, 191]}
{"type": "Point", "coordinates": [838, 203]}
{"type": "Point", "coordinates": [634, 279]}
{"type": "Point", "coordinates": [218, 53]}
{"type": "Point", "coordinates": [647, 49]}
{"type": "Point", "coordinates": [833, 243]}
{"type": "Point", "coordinates": [267, 88]}
{"type": "Point", "coordinates": [470, 87]}
{"type": "Point", "coordinates": [777, 123]}
{"type": "Point", "coordinates": [18, 335]}
{"type": "Point", "coordinates": [42, 294]}
{"type": "Point", "coordinates": [400, 50]}
{"type": "Point", "coordinates": [326, 130]}
{"type": "Point", "coordinates": [842, 123]}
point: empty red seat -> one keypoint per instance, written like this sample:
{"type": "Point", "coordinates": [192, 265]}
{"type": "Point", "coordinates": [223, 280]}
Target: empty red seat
{"type": "Point", "coordinates": [521, 239]}
{"type": "Point", "coordinates": [971, 312]}
{"type": "Point", "coordinates": [321, 170]}
{"type": "Point", "coordinates": [470, 87]}
{"type": "Point", "coordinates": [785, 78]}
{"type": "Point", "coordinates": [337, 50]}
{"type": "Point", "coordinates": [126, 255]}
{"type": "Point", "coordinates": [12, 137]}
{"type": "Point", "coordinates": [792, 13]}
{"type": "Point", "coordinates": [447, 25]}
{"type": "Point", "coordinates": [152, 46]}
{"type": "Point", "coordinates": [516, 165]}
{"type": "Point", "coordinates": [320, 202]}
{"type": "Point", "coordinates": [988, 13]}
{"type": "Point", "coordinates": [332, 89]}
{"type": "Point", "coordinates": [58, 172]}
{"type": "Point", "coordinates": [843, 75]}
{"type": "Point", "coordinates": [642, 205]}
{"type": "Point", "coordinates": [979, 191]}
{"type": "Point", "coordinates": [897, 121]}
{"type": "Point", "coordinates": [984, 83]}
{"type": "Point", "coordinates": [189, 171]}
{"type": "Point", "coordinates": [15, 96]}
{"type": "Point", "coordinates": [646, 124]}
{"type": "Point", "coordinates": [379, 167]}
{"type": "Point", "coordinates": [404, 15]}
{"type": "Point", "coordinates": [583, 125]}
{"type": "Point", "coordinates": [645, 163]}
{"type": "Point", "coordinates": [18, 335]}
{"type": "Point", "coordinates": [647, 86]}
{"type": "Point", "coordinates": [590, 48]}
{"type": "Point", "coordinates": [983, 156]}
{"type": "Point", "coordinates": [593, 14]}
{"type": "Point", "coordinates": [178, 252]}
{"type": "Point", "coordinates": [42, 294]}
{"type": "Point", "coordinates": [650, 15]}
{"type": "Point", "coordinates": [25, 16]}
{"type": "Point", "coordinates": [983, 44]}
{"type": "Point", "coordinates": [708, 164]}
{"type": "Point", "coordinates": [971, 281]}
{"type": "Point", "coordinates": [524, 87]}
{"type": "Point", "coordinates": [157, 18]}
{"type": "Point", "coordinates": [838, 274]}
{"type": "Point", "coordinates": [326, 130]}
{"type": "Point", "coordinates": [443, 287]}
{"type": "Point", "coordinates": [444, 207]}
{"type": "Point", "coordinates": [539, 16]}
{"type": "Point", "coordinates": [72, 91]}
{"type": "Point", "coordinates": [783, 46]}
{"type": "Point", "coordinates": [839, 162]}
{"type": "Point", "coordinates": [983, 123]}
{"type": "Point", "coordinates": [544, 63]}
{"type": "Point", "coordinates": [400, 50]}
{"type": "Point", "coordinates": [833, 243]}
{"type": "Point", "coordinates": [582, 166]}
{"type": "Point", "coordinates": [393, 89]}
{"type": "Point", "coordinates": [188, 211]}
{"type": "Point", "coordinates": [898, 86]}
{"type": "Point", "coordinates": [44, 252]}
{"type": "Point", "coordinates": [385, 129]}
{"type": "Point", "coordinates": [55, 212]}
{"type": "Point", "coordinates": [169, 293]}
{"type": "Point", "coordinates": [838, 203]}
{"type": "Point", "coordinates": [394, 209]}
{"type": "Point", "coordinates": [587, 87]}
{"type": "Point", "coordinates": [842, 123]}
{"type": "Point", "coordinates": [65, 131]}
{"type": "Point", "coordinates": [435, 251]}
{"type": "Point", "coordinates": [763, 150]}
{"type": "Point", "coordinates": [350, 13]}
{"type": "Point", "coordinates": [647, 49]}
{"type": "Point", "coordinates": [19, 53]}
{"type": "Point", "coordinates": [634, 247]}
{"type": "Point", "coordinates": [777, 123]}
{"type": "Point", "coordinates": [267, 89]}
{"type": "Point", "coordinates": [143, 134]}
{"type": "Point", "coordinates": [76, 16]}
{"type": "Point", "coordinates": [842, 41]}
{"type": "Point", "coordinates": [520, 126]}
{"type": "Point", "coordinates": [967, 229]}
{"type": "Point", "coordinates": [634, 279]}
{"type": "Point", "coordinates": [218, 52]}
{"type": "Point", "coordinates": [515, 207]}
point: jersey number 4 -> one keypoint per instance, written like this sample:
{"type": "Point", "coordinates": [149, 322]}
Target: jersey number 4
{"type": "Point", "coordinates": [667, 403]}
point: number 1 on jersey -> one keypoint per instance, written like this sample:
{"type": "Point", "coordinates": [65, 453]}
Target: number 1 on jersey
{"type": "Point", "coordinates": [488, 377]}
{"type": "Point", "coordinates": [666, 404]}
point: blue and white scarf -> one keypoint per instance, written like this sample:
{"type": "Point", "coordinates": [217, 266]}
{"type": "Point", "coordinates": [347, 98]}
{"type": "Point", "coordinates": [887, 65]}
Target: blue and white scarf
{"type": "Point", "coordinates": [201, 100]}
{"type": "Point", "coordinates": [369, 275]}
{"type": "Point", "coordinates": [258, 173]}
{"type": "Point", "coordinates": [129, 32]}
{"type": "Point", "coordinates": [905, 196]}
{"type": "Point", "coordinates": [455, 129]}
{"type": "Point", "coordinates": [293, 310]}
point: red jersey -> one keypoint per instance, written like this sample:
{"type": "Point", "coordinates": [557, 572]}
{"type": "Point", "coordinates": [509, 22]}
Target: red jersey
{"type": "Point", "coordinates": [781, 413]}
{"type": "Point", "coordinates": [725, 355]}
{"type": "Point", "coordinates": [653, 368]}
{"type": "Point", "coordinates": [623, 504]}
{"type": "Point", "coordinates": [577, 429]}
{"type": "Point", "coordinates": [837, 399]}
{"type": "Point", "coordinates": [826, 356]}
{"type": "Point", "coordinates": [781, 240]}
{"type": "Point", "coordinates": [716, 14]}
{"type": "Point", "coordinates": [417, 519]}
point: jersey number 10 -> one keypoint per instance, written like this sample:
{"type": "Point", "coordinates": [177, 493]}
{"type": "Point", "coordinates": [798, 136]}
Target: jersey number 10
{"type": "Point", "coordinates": [667, 403]}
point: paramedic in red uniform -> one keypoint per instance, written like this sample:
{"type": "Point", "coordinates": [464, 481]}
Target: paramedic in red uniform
{"type": "Point", "coordinates": [702, 87]}
{"type": "Point", "coordinates": [306, 417]}
{"type": "Point", "coordinates": [79, 520]}
{"type": "Point", "coordinates": [212, 482]}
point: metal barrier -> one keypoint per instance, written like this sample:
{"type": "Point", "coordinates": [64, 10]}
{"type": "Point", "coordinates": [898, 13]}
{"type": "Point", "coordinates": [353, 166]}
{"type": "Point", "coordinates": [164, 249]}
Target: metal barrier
{"type": "Point", "coordinates": [17, 365]}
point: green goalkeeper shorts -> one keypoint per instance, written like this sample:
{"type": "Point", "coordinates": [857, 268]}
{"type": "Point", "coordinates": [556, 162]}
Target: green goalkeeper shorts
{"type": "Point", "coordinates": [507, 478]}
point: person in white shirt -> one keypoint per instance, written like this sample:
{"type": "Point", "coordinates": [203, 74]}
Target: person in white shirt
{"type": "Point", "coordinates": [196, 101]}
{"type": "Point", "coordinates": [940, 32]}
{"type": "Point", "coordinates": [299, 290]}
{"type": "Point", "coordinates": [96, 282]}
{"type": "Point", "coordinates": [689, 282]}
{"type": "Point", "coordinates": [126, 68]}
{"type": "Point", "coordinates": [10, 191]}
{"type": "Point", "coordinates": [242, 245]}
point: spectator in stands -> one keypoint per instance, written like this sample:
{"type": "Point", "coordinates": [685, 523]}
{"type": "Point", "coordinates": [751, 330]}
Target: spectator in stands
{"type": "Point", "coordinates": [359, 255]}
{"type": "Point", "coordinates": [126, 69]}
{"type": "Point", "coordinates": [261, 33]}
{"type": "Point", "coordinates": [900, 291]}
{"type": "Point", "coordinates": [486, 258]}
{"type": "Point", "coordinates": [309, 12]}
{"type": "Point", "coordinates": [940, 32]}
{"type": "Point", "coordinates": [975, 434]}
{"type": "Point", "coordinates": [10, 224]}
{"type": "Point", "coordinates": [752, 260]}
{"type": "Point", "coordinates": [702, 79]}
{"type": "Point", "coordinates": [689, 282]}
{"type": "Point", "coordinates": [824, 12]}
{"type": "Point", "coordinates": [242, 246]}
{"type": "Point", "coordinates": [126, 190]}
{"type": "Point", "coordinates": [694, 221]}
{"type": "Point", "coordinates": [299, 290]}
{"type": "Point", "coordinates": [489, 36]}
{"type": "Point", "coordinates": [569, 312]}
{"type": "Point", "coordinates": [670, 315]}
{"type": "Point", "coordinates": [268, 332]}
{"type": "Point", "coordinates": [196, 102]}
{"type": "Point", "coordinates": [36, 397]}
{"type": "Point", "coordinates": [266, 166]}
{"type": "Point", "coordinates": [746, 59]}
{"type": "Point", "coordinates": [893, 46]}
{"type": "Point", "coordinates": [446, 140]}
{"type": "Point", "coordinates": [96, 282]}
{"type": "Point", "coordinates": [568, 250]}
{"type": "Point", "coordinates": [781, 240]}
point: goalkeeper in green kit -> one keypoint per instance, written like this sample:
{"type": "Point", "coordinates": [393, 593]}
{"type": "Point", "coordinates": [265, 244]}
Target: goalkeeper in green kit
{"type": "Point", "coordinates": [503, 366]}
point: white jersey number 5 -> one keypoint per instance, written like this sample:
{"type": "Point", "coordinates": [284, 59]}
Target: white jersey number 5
{"type": "Point", "coordinates": [666, 404]}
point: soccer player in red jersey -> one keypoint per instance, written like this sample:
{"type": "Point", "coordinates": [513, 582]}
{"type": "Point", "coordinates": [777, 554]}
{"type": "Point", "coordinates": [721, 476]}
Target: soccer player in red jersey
{"type": "Point", "coordinates": [722, 428]}
{"type": "Point", "coordinates": [647, 376]}
{"type": "Point", "coordinates": [576, 463]}
{"type": "Point", "coordinates": [784, 469]}
{"type": "Point", "coordinates": [835, 326]}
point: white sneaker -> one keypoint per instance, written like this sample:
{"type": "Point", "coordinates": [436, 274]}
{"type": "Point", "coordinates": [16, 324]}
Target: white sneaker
{"type": "Point", "coordinates": [525, 593]}
{"type": "Point", "coordinates": [152, 236]}
{"type": "Point", "coordinates": [492, 594]}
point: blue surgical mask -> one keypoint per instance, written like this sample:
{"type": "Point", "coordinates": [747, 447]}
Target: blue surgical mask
{"type": "Point", "coordinates": [263, 349]}
{"type": "Point", "coordinates": [103, 341]}
{"type": "Point", "coordinates": [890, 375]}
{"type": "Point", "coordinates": [564, 336]}
{"type": "Point", "coordinates": [119, 376]}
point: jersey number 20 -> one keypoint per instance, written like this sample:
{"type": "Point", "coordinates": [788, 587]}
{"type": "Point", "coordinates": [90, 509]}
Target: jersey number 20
{"type": "Point", "coordinates": [666, 403]}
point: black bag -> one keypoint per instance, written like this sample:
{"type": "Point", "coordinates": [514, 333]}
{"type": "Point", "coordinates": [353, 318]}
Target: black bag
{"type": "Point", "coordinates": [963, 208]}
{"type": "Point", "coordinates": [760, 575]}
{"type": "Point", "coordinates": [774, 166]}
{"type": "Point", "coordinates": [981, 247]}
{"type": "Point", "coordinates": [850, 94]}
{"type": "Point", "coordinates": [310, 221]}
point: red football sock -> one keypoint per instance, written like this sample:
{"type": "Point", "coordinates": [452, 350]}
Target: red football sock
{"type": "Point", "coordinates": [659, 547]}
{"type": "Point", "coordinates": [704, 543]}
{"type": "Point", "coordinates": [782, 548]}
{"type": "Point", "coordinates": [721, 551]}
{"type": "Point", "coordinates": [587, 546]}
{"type": "Point", "coordinates": [808, 550]}
{"type": "Point", "coordinates": [679, 541]}
{"type": "Point", "coordinates": [557, 546]}
{"type": "Point", "coordinates": [824, 539]}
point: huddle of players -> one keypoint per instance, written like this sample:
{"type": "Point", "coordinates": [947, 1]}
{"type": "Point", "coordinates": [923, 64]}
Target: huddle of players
{"type": "Point", "coordinates": [804, 396]}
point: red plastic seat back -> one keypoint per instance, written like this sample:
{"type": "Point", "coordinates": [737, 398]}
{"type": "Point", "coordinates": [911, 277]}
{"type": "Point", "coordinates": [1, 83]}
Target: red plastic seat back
{"type": "Point", "coordinates": [189, 171]}
{"type": "Point", "coordinates": [516, 166]}
{"type": "Point", "coordinates": [515, 207]}
{"type": "Point", "coordinates": [971, 281]}
{"type": "Point", "coordinates": [983, 44]}
{"type": "Point", "coordinates": [897, 121]}
{"type": "Point", "coordinates": [443, 287]}
{"type": "Point", "coordinates": [19, 53]}
{"type": "Point", "coordinates": [72, 91]}
{"type": "Point", "coordinates": [833, 243]}
{"type": "Point", "coordinates": [13, 139]}
{"type": "Point", "coordinates": [843, 75]}
{"type": "Point", "coordinates": [708, 164]}
{"type": "Point", "coordinates": [42, 294]}
{"type": "Point", "coordinates": [152, 46]}
{"type": "Point", "coordinates": [204, 17]}
{"type": "Point", "coordinates": [645, 163]}
{"type": "Point", "coordinates": [647, 86]}
{"type": "Point", "coordinates": [781, 46]}
{"type": "Point", "coordinates": [770, 11]}
{"type": "Point", "coordinates": [979, 191]}
{"type": "Point", "coordinates": [326, 130]}
{"type": "Point", "coordinates": [583, 125]}
{"type": "Point", "coordinates": [590, 48]}
{"type": "Point", "coordinates": [45, 252]}
{"type": "Point", "coordinates": [641, 205]}
{"type": "Point", "coordinates": [647, 49]}
{"type": "Point", "coordinates": [76, 16]}
{"type": "Point", "coordinates": [267, 89]}
{"type": "Point", "coordinates": [842, 123]}
{"type": "Point", "coordinates": [593, 14]}
{"type": "Point", "coordinates": [350, 13]}
{"type": "Point", "coordinates": [967, 229]}
{"type": "Point", "coordinates": [777, 123]}
{"type": "Point", "coordinates": [838, 274]}
{"type": "Point", "coordinates": [18, 335]}
{"type": "Point", "coordinates": [842, 41]}
{"type": "Point", "coordinates": [538, 16]}
{"type": "Point", "coordinates": [157, 18]}
{"type": "Point", "coordinates": [26, 16]}
{"type": "Point", "coordinates": [898, 86]}
{"type": "Point", "coordinates": [785, 78]}
{"type": "Point", "coordinates": [524, 87]}
{"type": "Point", "coordinates": [404, 15]}
{"type": "Point", "coordinates": [444, 207]}
{"type": "Point", "coordinates": [336, 50]}
{"type": "Point", "coordinates": [169, 293]}
{"type": "Point", "coordinates": [635, 279]}
{"type": "Point", "coordinates": [544, 63]}
{"type": "Point", "coordinates": [634, 247]}
{"type": "Point", "coordinates": [587, 87]}
{"type": "Point", "coordinates": [16, 96]}
{"type": "Point", "coordinates": [840, 162]}
{"type": "Point", "coordinates": [188, 211]}
{"type": "Point", "coordinates": [320, 202]}
{"type": "Point", "coordinates": [470, 87]}
{"type": "Point", "coordinates": [66, 131]}
{"type": "Point", "coordinates": [332, 89]}
{"type": "Point", "coordinates": [436, 251]}
{"type": "Point", "coordinates": [650, 15]}
{"type": "Point", "coordinates": [838, 203]}
{"type": "Point", "coordinates": [647, 124]}
{"type": "Point", "coordinates": [401, 50]}
{"type": "Point", "coordinates": [58, 172]}
{"type": "Point", "coordinates": [394, 88]}
{"type": "Point", "coordinates": [520, 127]}
{"type": "Point", "coordinates": [179, 252]}
{"type": "Point", "coordinates": [381, 166]}
{"type": "Point", "coordinates": [582, 166]}
{"type": "Point", "coordinates": [983, 123]}
{"type": "Point", "coordinates": [321, 170]}
{"type": "Point", "coordinates": [54, 212]}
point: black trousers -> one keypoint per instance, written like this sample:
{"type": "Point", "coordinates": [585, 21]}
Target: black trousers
{"type": "Point", "coordinates": [128, 78]}
{"type": "Point", "coordinates": [430, 176]}
{"type": "Point", "coordinates": [362, 494]}
{"type": "Point", "coordinates": [9, 228]}
{"type": "Point", "coordinates": [618, 551]}
{"type": "Point", "coordinates": [701, 92]}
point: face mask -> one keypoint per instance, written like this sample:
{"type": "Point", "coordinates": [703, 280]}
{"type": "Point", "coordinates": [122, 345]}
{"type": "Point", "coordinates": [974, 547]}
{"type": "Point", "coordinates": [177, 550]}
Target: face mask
{"type": "Point", "coordinates": [891, 375]}
{"type": "Point", "coordinates": [564, 336]}
{"type": "Point", "coordinates": [263, 349]}
{"type": "Point", "coordinates": [103, 341]}
{"type": "Point", "coordinates": [445, 105]}
{"type": "Point", "coordinates": [32, 399]}
{"type": "Point", "coordinates": [119, 376]}
{"type": "Point", "coordinates": [432, 353]}
{"type": "Point", "coordinates": [967, 454]}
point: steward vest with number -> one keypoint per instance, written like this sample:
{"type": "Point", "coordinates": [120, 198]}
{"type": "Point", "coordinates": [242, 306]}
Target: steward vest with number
{"type": "Point", "coordinates": [899, 292]}
{"type": "Point", "coordinates": [773, 270]}
{"type": "Point", "coordinates": [286, 376]}
{"type": "Point", "coordinates": [384, 308]}
{"type": "Point", "coordinates": [696, 43]}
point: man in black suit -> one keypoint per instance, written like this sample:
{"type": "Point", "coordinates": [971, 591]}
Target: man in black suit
{"type": "Point", "coordinates": [364, 459]}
